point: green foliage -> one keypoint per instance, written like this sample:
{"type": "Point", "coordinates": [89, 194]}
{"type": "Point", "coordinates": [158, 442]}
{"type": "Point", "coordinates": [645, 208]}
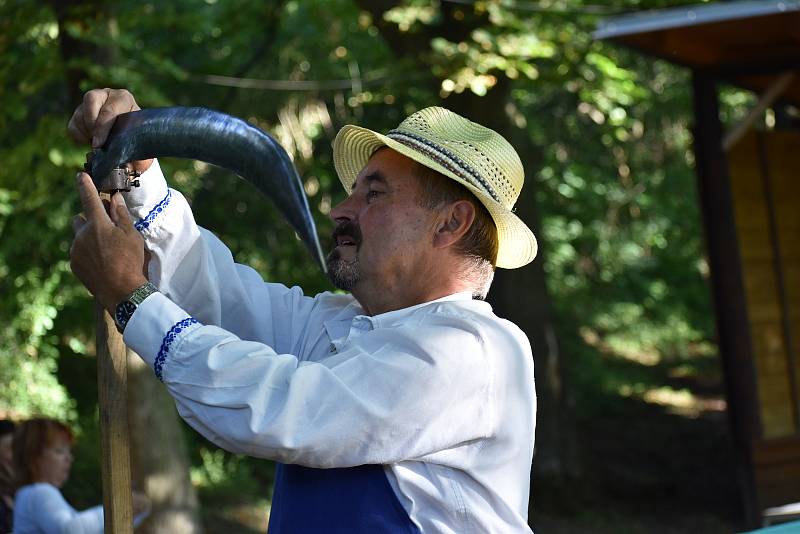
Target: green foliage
{"type": "Point", "coordinates": [612, 168]}
{"type": "Point", "coordinates": [35, 209]}
{"type": "Point", "coordinates": [30, 387]}
{"type": "Point", "coordinates": [221, 475]}
{"type": "Point", "coordinates": [616, 187]}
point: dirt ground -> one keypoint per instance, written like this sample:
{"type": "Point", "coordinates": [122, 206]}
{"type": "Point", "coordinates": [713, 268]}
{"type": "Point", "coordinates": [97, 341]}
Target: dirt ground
{"type": "Point", "coordinates": [650, 470]}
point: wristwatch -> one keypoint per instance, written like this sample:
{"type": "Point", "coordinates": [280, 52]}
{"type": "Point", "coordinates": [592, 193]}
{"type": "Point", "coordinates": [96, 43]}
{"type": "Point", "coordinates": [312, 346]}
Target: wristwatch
{"type": "Point", "coordinates": [125, 309]}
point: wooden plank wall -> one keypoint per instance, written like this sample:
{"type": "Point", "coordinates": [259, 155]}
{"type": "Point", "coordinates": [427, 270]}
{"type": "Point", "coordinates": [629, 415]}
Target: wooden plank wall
{"type": "Point", "coordinates": [777, 471]}
{"type": "Point", "coordinates": [765, 183]}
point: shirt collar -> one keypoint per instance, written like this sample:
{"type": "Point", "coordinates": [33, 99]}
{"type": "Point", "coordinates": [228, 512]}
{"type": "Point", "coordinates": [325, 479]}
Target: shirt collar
{"type": "Point", "coordinates": [390, 316]}
{"type": "Point", "coordinates": [338, 329]}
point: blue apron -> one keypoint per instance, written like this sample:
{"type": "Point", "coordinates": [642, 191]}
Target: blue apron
{"type": "Point", "coordinates": [349, 499]}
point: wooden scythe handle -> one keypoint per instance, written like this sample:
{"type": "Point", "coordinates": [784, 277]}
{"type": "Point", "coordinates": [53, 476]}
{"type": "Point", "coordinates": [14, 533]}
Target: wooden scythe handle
{"type": "Point", "coordinates": [112, 383]}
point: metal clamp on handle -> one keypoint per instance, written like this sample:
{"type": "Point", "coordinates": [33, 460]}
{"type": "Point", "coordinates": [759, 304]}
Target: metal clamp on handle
{"type": "Point", "coordinates": [119, 179]}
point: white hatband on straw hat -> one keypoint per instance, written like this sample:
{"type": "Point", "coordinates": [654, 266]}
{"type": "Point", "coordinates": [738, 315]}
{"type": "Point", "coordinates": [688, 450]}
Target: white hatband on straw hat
{"type": "Point", "coordinates": [473, 155]}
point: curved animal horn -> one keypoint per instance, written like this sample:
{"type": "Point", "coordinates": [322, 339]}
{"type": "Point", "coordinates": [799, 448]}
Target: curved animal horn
{"type": "Point", "coordinates": [215, 138]}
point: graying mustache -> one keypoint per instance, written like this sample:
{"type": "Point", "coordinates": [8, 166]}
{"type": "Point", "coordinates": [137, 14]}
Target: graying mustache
{"type": "Point", "coordinates": [349, 229]}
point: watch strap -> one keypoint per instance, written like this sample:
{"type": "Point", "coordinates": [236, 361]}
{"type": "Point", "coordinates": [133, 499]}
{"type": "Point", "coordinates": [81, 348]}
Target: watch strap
{"type": "Point", "coordinates": [125, 309]}
{"type": "Point", "coordinates": [142, 292]}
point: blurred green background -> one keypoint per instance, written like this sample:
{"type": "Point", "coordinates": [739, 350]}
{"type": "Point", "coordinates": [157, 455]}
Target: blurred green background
{"type": "Point", "coordinates": [605, 135]}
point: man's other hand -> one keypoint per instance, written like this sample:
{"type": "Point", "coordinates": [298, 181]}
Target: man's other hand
{"type": "Point", "coordinates": [108, 253]}
{"type": "Point", "coordinates": [92, 120]}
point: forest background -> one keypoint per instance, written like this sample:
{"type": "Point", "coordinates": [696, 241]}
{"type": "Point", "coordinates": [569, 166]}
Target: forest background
{"type": "Point", "coordinates": [632, 431]}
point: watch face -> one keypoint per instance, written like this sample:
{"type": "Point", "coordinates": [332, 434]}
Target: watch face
{"type": "Point", "coordinates": [124, 311]}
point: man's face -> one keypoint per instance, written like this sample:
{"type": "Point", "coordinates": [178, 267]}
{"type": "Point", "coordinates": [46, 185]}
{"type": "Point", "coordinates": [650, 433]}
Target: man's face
{"type": "Point", "coordinates": [382, 234]}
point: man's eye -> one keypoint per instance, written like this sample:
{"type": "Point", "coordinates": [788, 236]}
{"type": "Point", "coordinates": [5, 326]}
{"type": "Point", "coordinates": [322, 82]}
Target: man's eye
{"type": "Point", "coordinates": [372, 194]}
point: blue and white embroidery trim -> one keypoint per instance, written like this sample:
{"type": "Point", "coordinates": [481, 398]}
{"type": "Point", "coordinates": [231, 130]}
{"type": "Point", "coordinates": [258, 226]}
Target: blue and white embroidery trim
{"type": "Point", "coordinates": [144, 223]}
{"type": "Point", "coordinates": [176, 329]}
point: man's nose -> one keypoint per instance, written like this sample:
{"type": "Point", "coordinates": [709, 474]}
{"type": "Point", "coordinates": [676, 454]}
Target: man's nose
{"type": "Point", "coordinates": [344, 210]}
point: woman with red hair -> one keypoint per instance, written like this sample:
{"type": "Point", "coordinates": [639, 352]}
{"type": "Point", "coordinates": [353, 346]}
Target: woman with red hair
{"type": "Point", "coordinates": [43, 458]}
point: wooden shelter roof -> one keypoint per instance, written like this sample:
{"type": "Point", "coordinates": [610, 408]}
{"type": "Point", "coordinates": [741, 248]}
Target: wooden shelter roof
{"type": "Point", "coordinates": [748, 43]}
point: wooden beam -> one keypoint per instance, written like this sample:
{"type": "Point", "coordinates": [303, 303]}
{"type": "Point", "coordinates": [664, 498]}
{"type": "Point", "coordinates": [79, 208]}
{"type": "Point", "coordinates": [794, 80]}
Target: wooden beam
{"type": "Point", "coordinates": [733, 328]}
{"type": "Point", "coordinates": [112, 382]}
{"type": "Point", "coordinates": [766, 100]}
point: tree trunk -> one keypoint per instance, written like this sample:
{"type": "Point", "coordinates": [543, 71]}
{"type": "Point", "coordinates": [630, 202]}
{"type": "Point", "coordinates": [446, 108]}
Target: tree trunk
{"type": "Point", "coordinates": [78, 18]}
{"type": "Point", "coordinates": [159, 459]}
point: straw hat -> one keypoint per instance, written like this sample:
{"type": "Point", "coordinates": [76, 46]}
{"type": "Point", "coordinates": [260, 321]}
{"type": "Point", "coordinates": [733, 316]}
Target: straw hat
{"type": "Point", "coordinates": [471, 154]}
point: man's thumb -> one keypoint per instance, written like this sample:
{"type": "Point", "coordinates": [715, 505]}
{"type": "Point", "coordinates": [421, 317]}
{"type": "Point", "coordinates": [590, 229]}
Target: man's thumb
{"type": "Point", "coordinates": [120, 214]}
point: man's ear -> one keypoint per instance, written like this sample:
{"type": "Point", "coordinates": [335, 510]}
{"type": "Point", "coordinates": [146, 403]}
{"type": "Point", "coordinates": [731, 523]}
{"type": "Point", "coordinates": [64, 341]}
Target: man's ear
{"type": "Point", "coordinates": [454, 222]}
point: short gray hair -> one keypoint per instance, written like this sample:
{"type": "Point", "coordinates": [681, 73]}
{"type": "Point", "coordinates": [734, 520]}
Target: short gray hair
{"type": "Point", "coordinates": [480, 244]}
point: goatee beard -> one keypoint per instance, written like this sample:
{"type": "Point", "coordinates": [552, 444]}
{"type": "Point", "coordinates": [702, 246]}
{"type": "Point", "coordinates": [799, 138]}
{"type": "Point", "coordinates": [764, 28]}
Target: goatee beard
{"type": "Point", "coordinates": [342, 273]}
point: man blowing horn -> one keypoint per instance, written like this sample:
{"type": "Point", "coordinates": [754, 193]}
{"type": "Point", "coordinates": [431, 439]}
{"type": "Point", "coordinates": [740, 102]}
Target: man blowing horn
{"type": "Point", "coordinates": [404, 406]}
